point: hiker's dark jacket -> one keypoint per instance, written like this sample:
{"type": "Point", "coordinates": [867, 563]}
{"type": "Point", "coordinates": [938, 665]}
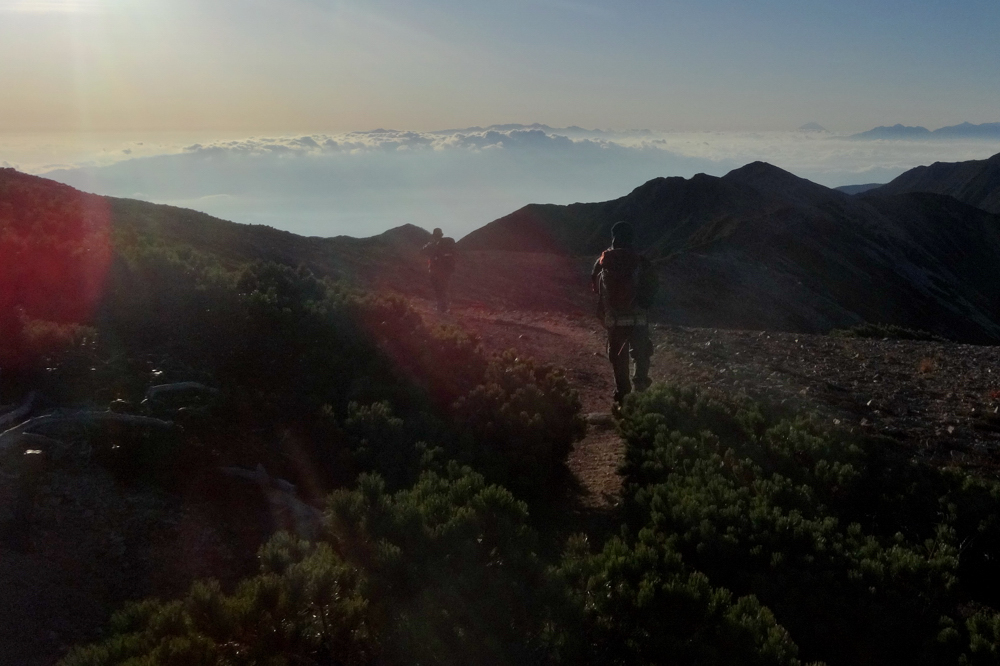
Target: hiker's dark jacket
{"type": "Point", "coordinates": [440, 253]}
{"type": "Point", "coordinates": [618, 310]}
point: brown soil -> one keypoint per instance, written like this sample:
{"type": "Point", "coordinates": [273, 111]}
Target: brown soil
{"type": "Point", "coordinates": [575, 343]}
{"type": "Point", "coordinates": [940, 399]}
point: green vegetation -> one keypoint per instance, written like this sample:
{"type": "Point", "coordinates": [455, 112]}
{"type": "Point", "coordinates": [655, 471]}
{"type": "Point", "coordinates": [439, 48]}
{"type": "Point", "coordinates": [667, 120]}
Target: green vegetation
{"type": "Point", "coordinates": [863, 555]}
{"type": "Point", "coordinates": [441, 573]}
{"type": "Point", "coordinates": [748, 535]}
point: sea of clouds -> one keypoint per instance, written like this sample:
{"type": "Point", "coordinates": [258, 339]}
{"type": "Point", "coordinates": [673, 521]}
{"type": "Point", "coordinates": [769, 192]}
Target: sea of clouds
{"type": "Point", "coordinates": [362, 183]}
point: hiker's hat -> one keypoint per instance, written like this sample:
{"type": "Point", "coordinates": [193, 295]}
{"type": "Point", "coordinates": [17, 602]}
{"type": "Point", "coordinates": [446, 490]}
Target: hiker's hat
{"type": "Point", "coordinates": [623, 231]}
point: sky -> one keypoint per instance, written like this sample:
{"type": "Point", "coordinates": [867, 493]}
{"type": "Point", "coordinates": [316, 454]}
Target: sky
{"type": "Point", "coordinates": [132, 97]}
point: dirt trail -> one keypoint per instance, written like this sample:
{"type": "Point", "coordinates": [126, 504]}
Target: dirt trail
{"type": "Point", "coordinates": [575, 343]}
{"type": "Point", "coordinates": [942, 400]}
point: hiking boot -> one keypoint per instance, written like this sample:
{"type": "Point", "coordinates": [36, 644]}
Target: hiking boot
{"type": "Point", "coordinates": [616, 410]}
{"type": "Point", "coordinates": [616, 403]}
{"type": "Point", "coordinates": [641, 383]}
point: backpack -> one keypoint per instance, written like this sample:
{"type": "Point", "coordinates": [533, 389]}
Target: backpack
{"type": "Point", "coordinates": [445, 258]}
{"type": "Point", "coordinates": [440, 255]}
{"type": "Point", "coordinates": [626, 283]}
{"type": "Point", "coordinates": [647, 284]}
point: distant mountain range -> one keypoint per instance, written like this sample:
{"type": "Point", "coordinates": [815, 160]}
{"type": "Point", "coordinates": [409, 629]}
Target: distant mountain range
{"type": "Point", "coordinates": [572, 131]}
{"type": "Point", "coordinates": [962, 131]}
{"type": "Point", "coordinates": [858, 189]}
{"type": "Point", "coordinates": [758, 248]}
{"type": "Point", "coordinates": [762, 248]}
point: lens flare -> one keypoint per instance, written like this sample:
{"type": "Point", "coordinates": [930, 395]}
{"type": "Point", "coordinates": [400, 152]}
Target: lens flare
{"type": "Point", "coordinates": [55, 248]}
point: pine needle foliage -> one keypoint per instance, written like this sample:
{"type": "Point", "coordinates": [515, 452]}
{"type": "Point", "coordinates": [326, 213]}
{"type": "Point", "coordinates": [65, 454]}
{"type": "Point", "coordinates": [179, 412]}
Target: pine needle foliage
{"type": "Point", "coordinates": [864, 555]}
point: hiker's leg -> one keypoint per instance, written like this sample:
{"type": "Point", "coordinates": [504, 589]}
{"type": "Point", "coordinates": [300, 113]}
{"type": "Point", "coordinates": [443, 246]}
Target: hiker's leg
{"type": "Point", "coordinates": [642, 351]}
{"type": "Point", "coordinates": [440, 291]}
{"type": "Point", "coordinates": [444, 292]}
{"type": "Point", "coordinates": [618, 355]}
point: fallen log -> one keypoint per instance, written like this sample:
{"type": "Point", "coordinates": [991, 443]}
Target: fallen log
{"type": "Point", "coordinates": [280, 494]}
{"type": "Point", "coordinates": [20, 411]}
{"type": "Point", "coordinates": [38, 426]}
{"type": "Point", "coordinates": [158, 391]}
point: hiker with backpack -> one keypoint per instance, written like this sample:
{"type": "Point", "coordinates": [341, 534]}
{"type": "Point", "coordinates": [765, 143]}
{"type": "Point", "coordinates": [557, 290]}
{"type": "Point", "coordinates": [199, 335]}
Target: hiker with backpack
{"type": "Point", "coordinates": [440, 253]}
{"type": "Point", "coordinates": [625, 282]}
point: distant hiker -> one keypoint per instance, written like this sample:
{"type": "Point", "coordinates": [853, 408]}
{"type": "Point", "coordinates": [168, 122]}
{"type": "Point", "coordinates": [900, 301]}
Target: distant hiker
{"type": "Point", "coordinates": [440, 253]}
{"type": "Point", "coordinates": [625, 283]}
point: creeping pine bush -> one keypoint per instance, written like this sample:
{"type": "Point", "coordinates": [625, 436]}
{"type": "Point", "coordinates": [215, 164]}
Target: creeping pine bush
{"type": "Point", "coordinates": [639, 604]}
{"type": "Point", "coordinates": [519, 425]}
{"type": "Point", "coordinates": [393, 447]}
{"type": "Point", "coordinates": [516, 427]}
{"type": "Point", "coordinates": [343, 381]}
{"type": "Point", "coordinates": [864, 555]}
{"type": "Point", "coordinates": [441, 573]}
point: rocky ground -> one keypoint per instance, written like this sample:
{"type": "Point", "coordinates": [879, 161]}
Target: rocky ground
{"type": "Point", "coordinates": [940, 399]}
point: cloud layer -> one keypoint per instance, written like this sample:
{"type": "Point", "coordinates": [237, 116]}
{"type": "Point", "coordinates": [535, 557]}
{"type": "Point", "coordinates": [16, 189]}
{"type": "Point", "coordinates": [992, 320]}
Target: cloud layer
{"type": "Point", "coordinates": [361, 183]}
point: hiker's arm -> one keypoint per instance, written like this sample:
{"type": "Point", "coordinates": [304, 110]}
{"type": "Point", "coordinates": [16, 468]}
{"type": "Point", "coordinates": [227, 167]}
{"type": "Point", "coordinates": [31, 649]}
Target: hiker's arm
{"type": "Point", "coordinates": [593, 274]}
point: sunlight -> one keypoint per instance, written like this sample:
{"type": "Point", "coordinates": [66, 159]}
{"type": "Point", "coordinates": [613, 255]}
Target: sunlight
{"type": "Point", "coordinates": [52, 6]}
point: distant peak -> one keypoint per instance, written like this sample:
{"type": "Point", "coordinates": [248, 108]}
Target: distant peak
{"type": "Point", "coordinates": [769, 179]}
{"type": "Point", "coordinates": [759, 168]}
{"type": "Point", "coordinates": [812, 127]}
{"type": "Point", "coordinates": [405, 232]}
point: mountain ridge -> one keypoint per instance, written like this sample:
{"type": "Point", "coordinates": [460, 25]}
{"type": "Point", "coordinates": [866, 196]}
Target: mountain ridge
{"type": "Point", "coordinates": [964, 130]}
{"type": "Point", "coordinates": [975, 182]}
{"type": "Point", "coordinates": [758, 248]}
{"type": "Point", "coordinates": [761, 248]}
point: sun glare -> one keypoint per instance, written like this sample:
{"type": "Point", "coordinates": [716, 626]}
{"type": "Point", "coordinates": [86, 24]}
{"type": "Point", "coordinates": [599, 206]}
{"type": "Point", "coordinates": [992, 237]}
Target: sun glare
{"type": "Point", "coordinates": [52, 6]}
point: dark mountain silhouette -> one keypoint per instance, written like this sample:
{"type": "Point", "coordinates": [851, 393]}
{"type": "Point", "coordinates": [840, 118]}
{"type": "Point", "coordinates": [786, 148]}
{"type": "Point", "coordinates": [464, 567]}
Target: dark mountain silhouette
{"type": "Point", "coordinates": [960, 131]}
{"type": "Point", "coordinates": [233, 244]}
{"type": "Point", "coordinates": [762, 248]}
{"type": "Point", "coordinates": [858, 189]}
{"type": "Point", "coordinates": [976, 182]}
{"type": "Point", "coordinates": [758, 248]}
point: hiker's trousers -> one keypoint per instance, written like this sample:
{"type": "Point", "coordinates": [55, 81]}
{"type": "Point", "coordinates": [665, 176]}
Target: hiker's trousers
{"type": "Point", "coordinates": [439, 281]}
{"type": "Point", "coordinates": [634, 342]}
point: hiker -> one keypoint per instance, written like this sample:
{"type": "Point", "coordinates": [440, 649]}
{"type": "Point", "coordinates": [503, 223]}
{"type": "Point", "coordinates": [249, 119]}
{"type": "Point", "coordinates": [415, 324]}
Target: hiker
{"type": "Point", "coordinates": [440, 253]}
{"type": "Point", "coordinates": [625, 283]}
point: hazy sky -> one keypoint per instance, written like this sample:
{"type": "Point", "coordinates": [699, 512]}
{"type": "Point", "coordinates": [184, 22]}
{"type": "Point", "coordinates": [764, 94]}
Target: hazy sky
{"type": "Point", "coordinates": [280, 66]}
{"type": "Point", "coordinates": [362, 183]}
{"type": "Point", "coordinates": [260, 110]}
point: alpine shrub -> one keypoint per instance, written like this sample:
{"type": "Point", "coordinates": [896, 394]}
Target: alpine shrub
{"type": "Point", "coordinates": [857, 549]}
{"type": "Point", "coordinates": [442, 573]}
{"type": "Point", "coordinates": [519, 425]}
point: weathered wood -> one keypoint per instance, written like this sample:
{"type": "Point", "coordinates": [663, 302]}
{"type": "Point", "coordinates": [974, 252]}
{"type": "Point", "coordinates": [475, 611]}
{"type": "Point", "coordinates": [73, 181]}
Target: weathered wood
{"type": "Point", "coordinates": [156, 392]}
{"type": "Point", "coordinates": [11, 438]}
{"type": "Point", "coordinates": [20, 411]}
{"type": "Point", "coordinates": [281, 496]}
